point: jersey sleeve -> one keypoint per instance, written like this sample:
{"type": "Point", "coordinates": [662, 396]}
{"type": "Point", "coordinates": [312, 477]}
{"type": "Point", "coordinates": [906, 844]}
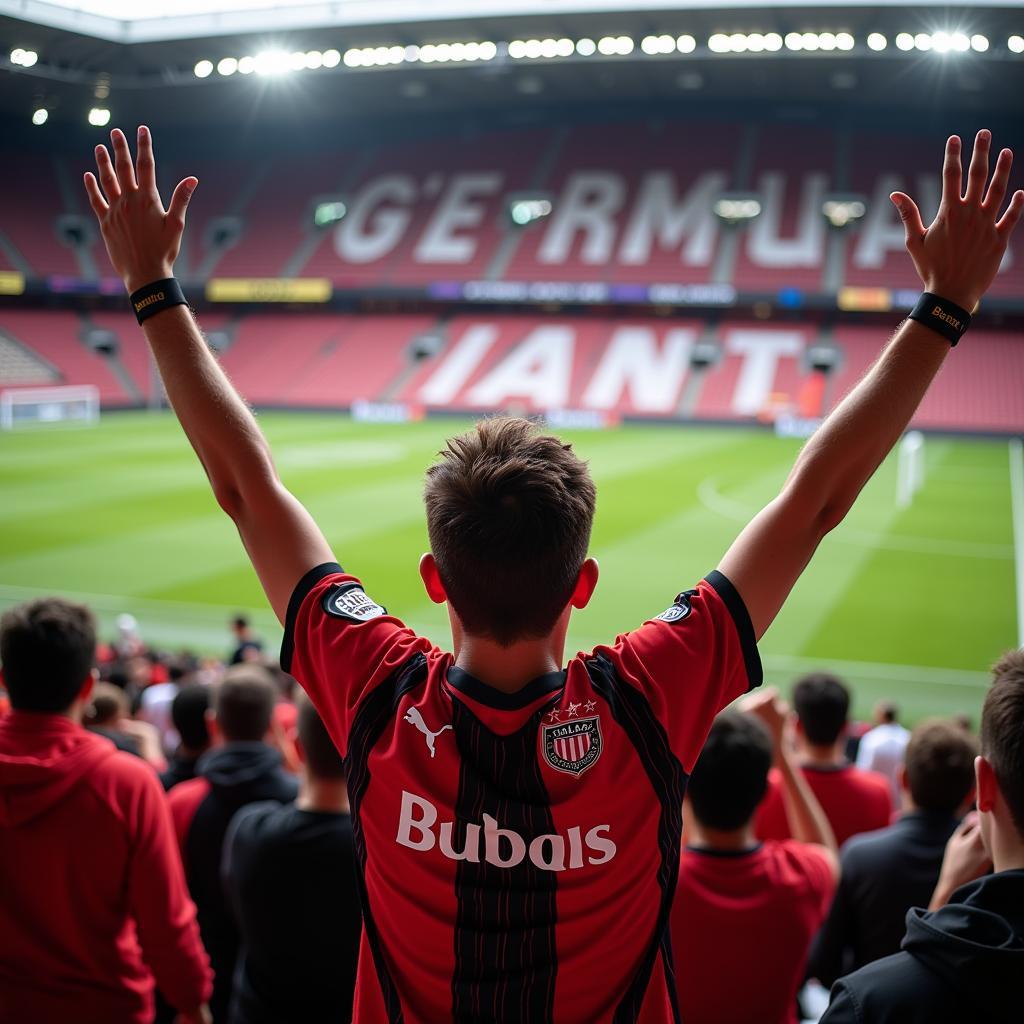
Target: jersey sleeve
{"type": "Point", "coordinates": [339, 645]}
{"type": "Point", "coordinates": [690, 661]}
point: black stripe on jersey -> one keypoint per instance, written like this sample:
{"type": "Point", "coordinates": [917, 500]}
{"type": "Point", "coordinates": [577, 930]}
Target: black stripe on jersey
{"type": "Point", "coordinates": [630, 709]}
{"type": "Point", "coordinates": [505, 954]}
{"type": "Point", "coordinates": [376, 710]}
{"type": "Point", "coordinates": [302, 588]}
{"type": "Point", "coordinates": [744, 627]}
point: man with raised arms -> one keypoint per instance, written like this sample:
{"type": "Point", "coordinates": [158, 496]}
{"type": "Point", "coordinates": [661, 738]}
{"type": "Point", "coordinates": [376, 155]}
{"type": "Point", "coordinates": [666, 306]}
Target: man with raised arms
{"type": "Point", "coordinates": [520, 865]}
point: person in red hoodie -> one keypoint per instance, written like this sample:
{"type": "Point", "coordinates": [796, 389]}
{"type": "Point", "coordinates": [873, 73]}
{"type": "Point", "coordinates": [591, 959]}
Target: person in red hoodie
{"type": "Point", "coordinates": [94, 912]}
{"type": "Point", "coordinates": [855, 800]}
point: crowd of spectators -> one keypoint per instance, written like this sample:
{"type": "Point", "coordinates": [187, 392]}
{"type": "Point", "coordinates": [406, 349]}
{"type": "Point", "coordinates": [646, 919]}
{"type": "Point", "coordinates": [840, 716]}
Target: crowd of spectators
{"type": "Point", "coordinates": [175, 845]}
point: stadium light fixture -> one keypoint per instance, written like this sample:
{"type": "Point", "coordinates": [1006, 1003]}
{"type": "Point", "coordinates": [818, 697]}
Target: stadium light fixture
{"type": "Point", "coordinates": [203, 69]}
{"type": "Point", "coordinates": [658, 44]}
{"type": "Point", "coordinates": [923, 41]}
{"type": "Point", "coordinates": [773, 42]}
{"type": "Point", "coordinates": [272, 63]}
{"type": "Point", "coordinates": [877, 42]}
{"type": "Point", "coordinates": [332, 58]}
{"type": "Point", "coordinates": [845, 41]}
{"type": "Point", "coordinates": [314, 60]}
{"type": "Point", "coordinates": [686, 44]}
{"type": "Point", "coordinates": [961, 42]}
{"type": "Point", "coordinates": [1015, 44]}
{"type": "Point", "coordinates": [23, 58]}
{"type": "Point", "coordinates": [904, 41]}
{"type": "Point", "coordinates": [737, 207]}
{"type": "Point", "coordinates": [326, 214]}
{"type": "Point", "coordinates": [40, 116]}
{"type": "Point", "coordinates": [227, 66]}
{"type": "Point", "coordinates": [586, 47]}
{"type": "Point", "coordinates": [794, 41]}
{"type": "Point", "coordinates": [246, 65]}
{"type": "Point", "coordinates": [840, 211]}
{"type": "Point", "coordinates": [979, 43]}
{"type": "Point", "coordinates": [99, 117]}
{"type": "Point", "coordinates": [524, 210]}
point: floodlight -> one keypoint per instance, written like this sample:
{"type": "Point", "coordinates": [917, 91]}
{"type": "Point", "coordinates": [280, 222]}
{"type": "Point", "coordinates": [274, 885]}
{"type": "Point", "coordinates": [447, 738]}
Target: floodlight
{"type": "Point", "coordinates": [794, 41]}
{"type": "Point", "coordinates": [686, 44]}
{"type": "Point", "coordinates": [979, 43]}
{"type": "Point", "coordinates": [845, 41]}
{"type": "Point", "coordinates": [524, 210]}
{"type": "Point", "coordinates": [203, 69]}
{"type": "Point", "coordinates": [326, 214]}
{"type": "Point", "coordinates": [877, 42]}
{"type": "Point", "coordinates": [719, 43]}
{"type": "Point", "coordinates": [827, 41]}
{"type": "Point", "coordinates": [273, 62]}
{"type": "Point", "coordinates": [842, 210]}
{"type": "Point", "coordinates": [961, 42]}
{"type": "Point", "coordinates": [1016, 44]}
{"type": "Point", "coordinates": [923, 41]}
{"type": "Point", "coordinates": [586, 47]}
{"type": "Point", "coordinates": [40, 116]}
{"type": "Point", "coordinates": [489, 49]}
{"type": "Point", "coordinates": [737, 207]}
{"type": "Point", "coordinates": [905, 41]}
{"type": "Point", "coordinates": [227, 66]}
{"type": "Point", "coordinates": [332, 58]}
{"type": "Point", "coordinates": [773, 42]}
{"type": "Point", "coordinates": [99, 117]}
{"type": "Point", "coordinates": [24, 58]}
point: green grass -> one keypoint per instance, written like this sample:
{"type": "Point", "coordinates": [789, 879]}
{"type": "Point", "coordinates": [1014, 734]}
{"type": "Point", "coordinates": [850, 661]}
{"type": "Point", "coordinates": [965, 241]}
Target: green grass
{"type": "Point", "coordinates": [913, 604]}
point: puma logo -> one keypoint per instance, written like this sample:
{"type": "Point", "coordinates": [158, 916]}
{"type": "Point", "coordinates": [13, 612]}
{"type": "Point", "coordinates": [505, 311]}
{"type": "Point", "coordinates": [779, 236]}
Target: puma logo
{"type": "Point", "coordinates": [413, 717]}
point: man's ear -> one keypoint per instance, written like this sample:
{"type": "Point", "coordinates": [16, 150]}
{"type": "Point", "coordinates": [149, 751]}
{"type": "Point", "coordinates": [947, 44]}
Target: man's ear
{"type": "Point", "coordinates": [432, 579]}
{"type": "Point", "coordinates": [213, 727]}
{"type": "Point", "coordinates": [586, 583]}
{"type": "Point", "coordinates": [90, 681]}
{"type": "Point", "coordinates": [988, 788]}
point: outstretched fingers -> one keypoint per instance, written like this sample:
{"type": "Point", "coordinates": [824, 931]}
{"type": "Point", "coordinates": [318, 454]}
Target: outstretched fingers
{"type": "Point", "coordinates": [977, 175]}
{"type": "Point", "coordinates": [108, 179]}
{"type": "Point", "coordinates": [952, 171]}
{"type": "Point", "coordinates": [1009, 219]}
{"type": "Point", "coordinates": [911, 217]}
{"type": "Point", "coordinates": [1000, 179]}
{"type": "Point", "coordinates": [179, 201]}
{"type": "Point", "coordinates": [92, 190]}
{"type": "Point", "coordinates": [146, 162]}
{"type": "Point", "coordinates": [123, 161]}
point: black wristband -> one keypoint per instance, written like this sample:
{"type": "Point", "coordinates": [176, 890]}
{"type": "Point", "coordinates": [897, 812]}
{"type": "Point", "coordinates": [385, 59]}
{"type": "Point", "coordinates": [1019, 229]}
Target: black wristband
{"type": "Point", "coordinates": [941, 315]}
{"type": "Point", "coordinates": [160, 295]}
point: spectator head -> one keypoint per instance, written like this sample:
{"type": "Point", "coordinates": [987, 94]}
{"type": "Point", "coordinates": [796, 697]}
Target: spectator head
{"type": "Point", "coordinates": [180, 667]}
{"type": "Point", "coordinates": [47, 650]}
{"type": "Point", "coordinates": [730, 777]}
{"type": "Point", "coordinates": [886, 713]}
{"type": "Point", "coordinates": [1000, 769]}
{"type": "Point", "coordinates": [509, 512]}
{"type": "Point", "coordinates": [244, 703]}
{"type": "Point", "coordinates": [107, 707]}
{"type": "Point", "coordinates": [316, 747]}
{"type": "Point", "coordinates": [822, 705]}
{"type": "Point", "coordinates": [188, 713]}
{"type": "Point", "coordinates": [240, 625]}
{"type": "Point", "coordinates": [938, 769]}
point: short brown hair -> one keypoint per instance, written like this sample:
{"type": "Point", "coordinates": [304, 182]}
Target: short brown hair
{"type": "Point", "coordinates": [108, 704]}
{"type": "Point", "coordinates": [940, 765]}
{"type": "Point", "coordinates": [47, 647]}
{"type": "Point", "coordinates": [509, 512]}
{"type": "Point", "coordinates": [244, 703]}
{"type": "Point", "coordinates": [1002, 731]}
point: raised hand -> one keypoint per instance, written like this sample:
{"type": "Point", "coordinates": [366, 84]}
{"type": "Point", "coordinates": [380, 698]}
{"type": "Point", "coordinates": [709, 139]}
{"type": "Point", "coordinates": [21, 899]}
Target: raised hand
{"type": "Point", "coordinates": [142, 238]}
{"type": "Point", "coordinates": [958, 254]}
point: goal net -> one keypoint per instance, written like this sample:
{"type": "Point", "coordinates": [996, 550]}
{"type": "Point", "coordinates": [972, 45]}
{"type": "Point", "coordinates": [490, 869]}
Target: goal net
{"type": "Point", "coordinates": [910, 468]}
{"type": "Point", "coordinates": [72, 405]}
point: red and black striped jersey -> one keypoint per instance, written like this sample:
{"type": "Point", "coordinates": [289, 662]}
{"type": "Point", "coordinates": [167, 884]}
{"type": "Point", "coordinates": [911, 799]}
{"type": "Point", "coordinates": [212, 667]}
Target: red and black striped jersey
{"type": "Point", "coordinates": [518, 852]}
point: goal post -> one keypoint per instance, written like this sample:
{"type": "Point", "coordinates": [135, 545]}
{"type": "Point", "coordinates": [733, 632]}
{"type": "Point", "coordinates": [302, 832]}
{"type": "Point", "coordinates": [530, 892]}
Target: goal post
{"type": "Point", "coordinates": [69, 405]}
{"type": "Point", "coordinates": [910, 468]}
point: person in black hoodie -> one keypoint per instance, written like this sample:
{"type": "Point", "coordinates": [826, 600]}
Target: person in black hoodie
{"type": "Point", "coordinates": [963, 959]}
{"type": "Point", "coordinates": [242, 769]}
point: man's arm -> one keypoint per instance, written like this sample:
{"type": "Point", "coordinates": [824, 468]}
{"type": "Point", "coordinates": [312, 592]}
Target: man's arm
{"type": "Point", "coordinates": [957, 257]}
{"type": "Point", "coordinates": [280, 536]}
{"type": "Point", "coordinates": [807, 820]}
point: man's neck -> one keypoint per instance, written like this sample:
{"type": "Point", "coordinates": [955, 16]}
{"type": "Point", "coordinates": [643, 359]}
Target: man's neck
{"type": "Point", "coordinates": [703, 838]}
{"type": "Point", "coordinates": [509, 669]}
{"type": "Point", "coordinates": [816, 756]}
{"type": "Point", "coordinates": [326, 796]}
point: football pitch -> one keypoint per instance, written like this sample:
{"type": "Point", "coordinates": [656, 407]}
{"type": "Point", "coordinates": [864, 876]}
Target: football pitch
{"type": "Point", "coordinates": [913, 604]}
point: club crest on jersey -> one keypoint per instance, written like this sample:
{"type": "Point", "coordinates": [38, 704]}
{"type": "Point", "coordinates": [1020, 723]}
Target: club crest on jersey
{"type": "Point", "coordinates": [573, 746]}
{"type": "Point", "coordinates": [351, 602]}
{"type": "Point", "coordinates": [678, 610]}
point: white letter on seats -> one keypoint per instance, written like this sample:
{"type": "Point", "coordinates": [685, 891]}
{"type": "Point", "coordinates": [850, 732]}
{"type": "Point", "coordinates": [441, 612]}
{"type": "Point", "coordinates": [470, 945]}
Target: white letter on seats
{"type": "Point", "coordinates": [589, 203]}
{"type": "Point", "coordinates": [357, 240]}
{"type": "Point", "coordinates": [457, 209]}
{"type": "Point", "coordinates": [761, 351]}
{"type": "Point", "coordinates": [634, 361]}
{"type": "Point", "coordinates": [539, 369]}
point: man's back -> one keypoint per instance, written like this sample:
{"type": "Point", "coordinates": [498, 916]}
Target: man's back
{"type": "Point", "coordinates": [753, 912]}
{"type": "Point", "coordinates": [881, 750]}
{"type": "Point", "coordinates": [89, 871]}
{"type": "Point", "coordinates": [884, 874]}
{"type": "Point", "coordinates": [959, 965]}
{"type": "Point", "coordinates": [229, 778]}
{"type": "Point", "coordinates": [854, 801]}
{"type": "Point", "coordinates": [290, 875]}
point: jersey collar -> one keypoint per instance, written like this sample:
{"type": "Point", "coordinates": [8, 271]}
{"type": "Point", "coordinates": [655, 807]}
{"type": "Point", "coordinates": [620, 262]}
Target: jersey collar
{"type": "Point", "coordinates": [482, 693]}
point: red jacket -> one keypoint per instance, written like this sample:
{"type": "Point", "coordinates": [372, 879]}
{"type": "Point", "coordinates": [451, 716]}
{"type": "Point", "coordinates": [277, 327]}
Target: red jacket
{"type": "Point", "coordinates": [93, 902]}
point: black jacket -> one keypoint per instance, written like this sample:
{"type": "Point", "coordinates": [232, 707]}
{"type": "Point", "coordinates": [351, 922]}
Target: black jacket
{"type": "Point", "coordinates": [238, 774]}
{"type": "Point", "coordinates": [883, 875]}
{"type": "Point", "coordinates": [179, 769]}
{"type": "Point", "coordinates": [962, 964]}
